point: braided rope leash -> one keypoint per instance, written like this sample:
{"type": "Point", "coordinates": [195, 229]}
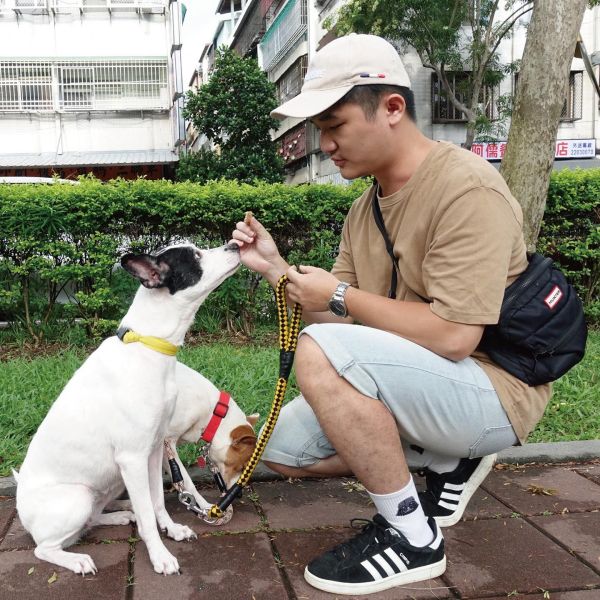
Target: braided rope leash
{"type": "Point", "coordinates": [288, 340]}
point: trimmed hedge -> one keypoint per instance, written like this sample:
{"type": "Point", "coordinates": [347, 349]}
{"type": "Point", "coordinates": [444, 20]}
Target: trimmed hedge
{"type": "Point", "coordinates": [63, 241]}
{"type": "Point", "coordinates": [67, 239]}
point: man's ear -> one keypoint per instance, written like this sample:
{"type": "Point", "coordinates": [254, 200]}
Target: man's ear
{"type": "Point", "coordinates": [395, 106]}
{"type": "Point", "coordinates": [150, 272]}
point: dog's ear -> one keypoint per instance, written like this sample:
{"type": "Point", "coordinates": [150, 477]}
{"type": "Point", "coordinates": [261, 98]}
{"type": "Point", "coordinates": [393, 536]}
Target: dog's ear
{"type": "Point", "coordinates": [151, 272]}
{"type": "Point", "coordinates": [243, 435]}
{"type": "Point", "coordinates": [252, 419]}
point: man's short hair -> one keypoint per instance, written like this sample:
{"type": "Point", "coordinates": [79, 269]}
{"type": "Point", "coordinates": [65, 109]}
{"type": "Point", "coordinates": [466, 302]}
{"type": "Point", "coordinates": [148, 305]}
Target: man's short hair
{"type": "Point", "coordinates": [369, 96]}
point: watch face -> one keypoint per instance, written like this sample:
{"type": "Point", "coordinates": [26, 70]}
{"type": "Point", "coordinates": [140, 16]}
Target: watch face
{"type": "Point", "coordinates": [338, 308]}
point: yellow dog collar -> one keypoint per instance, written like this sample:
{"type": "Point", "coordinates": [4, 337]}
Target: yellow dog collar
{"type": "Point", "coordinates": [154, 343]}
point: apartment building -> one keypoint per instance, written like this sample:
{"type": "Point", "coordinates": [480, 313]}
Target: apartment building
{"type": "Point", "coordinates": [90, 86]}
{"type": "Point", "coordinates": [284, 34]}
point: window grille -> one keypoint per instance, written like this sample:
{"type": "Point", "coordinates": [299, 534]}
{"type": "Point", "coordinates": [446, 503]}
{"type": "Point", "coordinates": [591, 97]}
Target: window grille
{"type": "Point", "coordinates": [290, 84]}
{"type": "Point", "coordinates": [444, 111]}
{"type": "Point", "coordinates": [288, 27]}
{"type": "Point", "coordinates": [26, 5]}
{"type": "Point", "coordinates": [74, 85]}
{"type": "Point", "coordinates": [572, 108]}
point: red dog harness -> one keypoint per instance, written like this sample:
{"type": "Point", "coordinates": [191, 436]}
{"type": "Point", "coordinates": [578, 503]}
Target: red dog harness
{"type": "Point", "coordinates": [219, 413]}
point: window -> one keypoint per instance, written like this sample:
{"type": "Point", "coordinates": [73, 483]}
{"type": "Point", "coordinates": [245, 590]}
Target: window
{"type": "Point", "coordinates": [134, 84]}
{"type": "Point", "coordinates": [571, 110]}
{"type": "Point", "coordinates": [442, 109]}
{"type": "Point", "coordinates": [290, 83]}
{"type": "Point", "coordinates": [25, 87]}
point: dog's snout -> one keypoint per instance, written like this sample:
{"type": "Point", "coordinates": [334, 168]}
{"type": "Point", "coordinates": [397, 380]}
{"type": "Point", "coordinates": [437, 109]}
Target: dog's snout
{"type": "Point", "coordinates": [233, 247]}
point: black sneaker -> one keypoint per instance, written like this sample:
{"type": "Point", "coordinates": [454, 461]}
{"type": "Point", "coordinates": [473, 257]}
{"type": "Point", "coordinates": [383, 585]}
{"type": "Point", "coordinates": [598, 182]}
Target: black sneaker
{"type": "Point", "coordinates": [377, 558]}
{"type": "Point", "coordinates": [448, 494]}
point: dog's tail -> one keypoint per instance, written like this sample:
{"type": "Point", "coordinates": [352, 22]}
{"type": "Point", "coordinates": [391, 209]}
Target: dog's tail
{"type": "Point", "coordinates": [15, 475]}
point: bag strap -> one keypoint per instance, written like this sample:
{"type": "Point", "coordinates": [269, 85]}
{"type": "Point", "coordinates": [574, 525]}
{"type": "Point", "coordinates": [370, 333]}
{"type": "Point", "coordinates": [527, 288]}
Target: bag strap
{"type": "Point", "coordinates": [386, 238]}
{"type": "Point", "coordinates": [388, 245]}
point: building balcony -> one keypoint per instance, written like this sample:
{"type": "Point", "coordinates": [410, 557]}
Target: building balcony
{"type": "Point", "coordinates": [21, 6]}
{"type": "Point", "coordinates": [289, 26]}
{"type": "Point", "coordinates": [80, 85]}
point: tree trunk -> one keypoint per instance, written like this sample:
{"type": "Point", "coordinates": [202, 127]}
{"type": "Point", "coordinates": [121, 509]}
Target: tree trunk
{"type": "Point", "coordinates": [540, 97]}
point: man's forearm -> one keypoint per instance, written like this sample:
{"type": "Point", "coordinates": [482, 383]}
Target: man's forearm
{"type": "Point", "coordinates": [414, 321]}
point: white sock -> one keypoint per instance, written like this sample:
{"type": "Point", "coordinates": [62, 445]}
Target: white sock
{"type": "Point", "coordinates": [403, 510]}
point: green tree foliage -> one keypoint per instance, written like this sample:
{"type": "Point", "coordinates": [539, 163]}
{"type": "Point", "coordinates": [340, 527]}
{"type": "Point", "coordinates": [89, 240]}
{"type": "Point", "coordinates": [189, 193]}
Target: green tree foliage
{"type": "Point", "coordinates": [232, 111]}
{"type": "Point", "coordinates": [448, 35]}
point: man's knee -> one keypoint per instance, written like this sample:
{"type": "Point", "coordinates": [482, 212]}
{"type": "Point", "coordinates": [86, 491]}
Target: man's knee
{"type": "Point", "coordinates": [311, 364]}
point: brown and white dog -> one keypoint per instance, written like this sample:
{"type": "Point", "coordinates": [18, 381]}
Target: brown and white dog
{"type": "Point", "coordinates": [232, 440]}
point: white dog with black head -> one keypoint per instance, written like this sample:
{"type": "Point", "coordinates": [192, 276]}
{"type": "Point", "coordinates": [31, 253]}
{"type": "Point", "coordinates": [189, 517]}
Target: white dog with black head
{"type": "Point", "coordinates": [107, 426]}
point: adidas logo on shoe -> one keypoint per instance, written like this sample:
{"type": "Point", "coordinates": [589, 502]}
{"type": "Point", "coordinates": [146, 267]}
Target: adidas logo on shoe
{"type": "Point", "coordinates": [448, 494]}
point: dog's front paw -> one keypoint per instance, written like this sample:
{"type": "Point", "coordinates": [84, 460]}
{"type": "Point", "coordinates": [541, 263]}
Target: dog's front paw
{"type": "Point", "coordinates": [180, 532]}
{"type": "Point", "coordinates": [164, 562]}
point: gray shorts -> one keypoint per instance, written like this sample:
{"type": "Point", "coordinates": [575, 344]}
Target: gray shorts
{"type": "Point", "coordinates": [447, 408]}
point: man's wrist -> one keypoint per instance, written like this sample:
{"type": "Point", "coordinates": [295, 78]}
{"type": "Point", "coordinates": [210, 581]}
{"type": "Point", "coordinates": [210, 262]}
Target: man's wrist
{"type": "Point", "coordinates": [275, 271]}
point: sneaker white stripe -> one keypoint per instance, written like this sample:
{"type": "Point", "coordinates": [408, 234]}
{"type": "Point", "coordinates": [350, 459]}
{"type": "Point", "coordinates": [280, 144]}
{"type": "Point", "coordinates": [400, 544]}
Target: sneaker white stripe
{"type": "Point", "coordinates": [448, 496]}
{"type": "Point", "coordinates": [384, 565]}
{"type": "Point", "coordinates": [459, 487]}
{"type": "Point", "coordinates": [447, 505]}
{"type": "Point", "coordinates": [372, 570]}
{"type": "Point", "coordinates": [395, 559]}
{"type": "Point", "coordinates": [438, 539]}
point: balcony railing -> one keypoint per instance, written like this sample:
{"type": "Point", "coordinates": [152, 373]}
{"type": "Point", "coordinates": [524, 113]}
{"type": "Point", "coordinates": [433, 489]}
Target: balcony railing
{"type": "Point", "coordinates": [61, 5]}
{"type": "Point", "coordinates": [83, 85]}
{"type": "Point", "coordinates": [287, 28]}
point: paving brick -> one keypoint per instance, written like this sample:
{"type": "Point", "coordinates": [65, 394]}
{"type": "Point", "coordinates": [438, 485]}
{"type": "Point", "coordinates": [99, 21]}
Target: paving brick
{"type": "Point", "coordinates": [7, 512]}
{"type": "Point", "coordinates": [570, 490]}
{"type": "Point", "coordinates": [484, 506]}
{"type": "Point", "coordinates": [17, 537]}
{"type": "Point", "coordinates": [245, 517]}
{"type": "Point", "coordinates": [223, 567]}
{"type": "Point", "coordinates": [591, 471]}
{"type": "Point", "coordinates": [579, 533]}
{"type": "Point", "coordinates": [110, 583]}
{"type": "Point", "coordinates": [495, 557]}
{"type": "Point", "coordinates": [305, 504]}
{"type": "Point", "coordinates": [297, 549]}
{"type": "Point", "coordinates": [573, 595]}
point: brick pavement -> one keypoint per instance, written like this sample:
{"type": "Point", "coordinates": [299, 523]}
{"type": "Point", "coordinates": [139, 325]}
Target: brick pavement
{"type": "Point", "coordinates": [530, 532]}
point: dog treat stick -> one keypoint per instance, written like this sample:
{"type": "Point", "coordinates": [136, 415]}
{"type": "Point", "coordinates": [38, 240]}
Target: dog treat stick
{"type": "Point", "coordinates": [248, 217]}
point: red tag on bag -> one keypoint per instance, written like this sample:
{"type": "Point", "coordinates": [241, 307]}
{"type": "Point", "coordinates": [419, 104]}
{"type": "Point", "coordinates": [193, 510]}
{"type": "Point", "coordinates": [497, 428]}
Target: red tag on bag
{"type": "Point", "coordinates": [201, 462]}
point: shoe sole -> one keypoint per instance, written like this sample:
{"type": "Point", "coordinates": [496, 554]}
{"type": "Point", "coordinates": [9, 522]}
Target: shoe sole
{"type": "Point", "coordinates": [369, 587]}
{"type": "Point", "coordinates": [476, 479]}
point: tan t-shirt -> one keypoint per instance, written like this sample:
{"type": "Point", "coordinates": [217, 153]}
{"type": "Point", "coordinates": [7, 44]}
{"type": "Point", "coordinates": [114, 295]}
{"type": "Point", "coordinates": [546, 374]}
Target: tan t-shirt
{"type": "Point", "coordinates": [457, 234]}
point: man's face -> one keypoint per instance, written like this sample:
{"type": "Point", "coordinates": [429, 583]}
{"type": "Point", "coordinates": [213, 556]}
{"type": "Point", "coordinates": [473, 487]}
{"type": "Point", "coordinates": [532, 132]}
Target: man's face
{"type": "Point", "coordinates": [355, 144]}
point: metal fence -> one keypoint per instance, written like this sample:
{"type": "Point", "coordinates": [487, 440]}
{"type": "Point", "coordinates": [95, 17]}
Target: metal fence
{"type": "Point", "coordinates": [83, 85]}
{"type": "Point", "coordinates": [57, 5]}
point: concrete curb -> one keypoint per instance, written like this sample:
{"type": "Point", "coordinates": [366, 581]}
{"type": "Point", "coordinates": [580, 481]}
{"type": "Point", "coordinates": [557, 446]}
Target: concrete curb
{"type": "Point", "coordinates": [555, 452]}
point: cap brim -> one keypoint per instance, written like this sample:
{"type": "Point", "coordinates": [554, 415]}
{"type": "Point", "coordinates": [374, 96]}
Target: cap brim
{"type": "Point", "coordinates": [310, 103]}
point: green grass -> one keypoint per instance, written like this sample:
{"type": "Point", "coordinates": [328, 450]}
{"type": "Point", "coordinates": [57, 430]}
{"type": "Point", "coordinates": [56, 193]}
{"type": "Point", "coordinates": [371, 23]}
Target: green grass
{"type": "Point", "coordinates": [28, 386]}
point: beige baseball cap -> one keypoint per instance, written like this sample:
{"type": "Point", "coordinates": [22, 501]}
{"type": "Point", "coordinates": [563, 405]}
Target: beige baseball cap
{"type": "Point", "coordinates": [355, 59]}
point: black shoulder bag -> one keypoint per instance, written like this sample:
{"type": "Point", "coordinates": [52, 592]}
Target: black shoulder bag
{"type": "Point", "coordinates": [541, 332]}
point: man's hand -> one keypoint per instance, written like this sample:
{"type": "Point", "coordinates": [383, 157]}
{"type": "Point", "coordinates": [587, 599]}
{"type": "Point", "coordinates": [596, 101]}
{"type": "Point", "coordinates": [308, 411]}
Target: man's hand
{"type": "Point", "coordinates": [258, 250]}
{"type": "Point", "coordinates": [311, 287]}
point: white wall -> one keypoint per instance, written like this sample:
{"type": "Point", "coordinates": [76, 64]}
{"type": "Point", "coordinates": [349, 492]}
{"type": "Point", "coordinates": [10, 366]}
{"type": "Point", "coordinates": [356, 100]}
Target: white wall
{"type": "Point", "coordinates": [93, 34]}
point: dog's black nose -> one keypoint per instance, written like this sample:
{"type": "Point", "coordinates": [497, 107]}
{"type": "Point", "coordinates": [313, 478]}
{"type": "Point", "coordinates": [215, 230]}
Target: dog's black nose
{"type": "Point", "coordinates": [233, 247]}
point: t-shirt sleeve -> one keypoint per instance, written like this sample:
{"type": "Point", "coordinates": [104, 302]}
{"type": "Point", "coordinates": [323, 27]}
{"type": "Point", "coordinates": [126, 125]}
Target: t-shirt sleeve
{"type": "Point", "coordinates": [343, 267]}
{"type": "Point", "coordinates": [466, 266]}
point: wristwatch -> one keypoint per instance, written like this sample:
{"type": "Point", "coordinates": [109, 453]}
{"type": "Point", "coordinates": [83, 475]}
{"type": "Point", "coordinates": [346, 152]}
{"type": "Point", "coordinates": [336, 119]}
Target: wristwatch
{"type": "Point", "coordinates": [337, 303]}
